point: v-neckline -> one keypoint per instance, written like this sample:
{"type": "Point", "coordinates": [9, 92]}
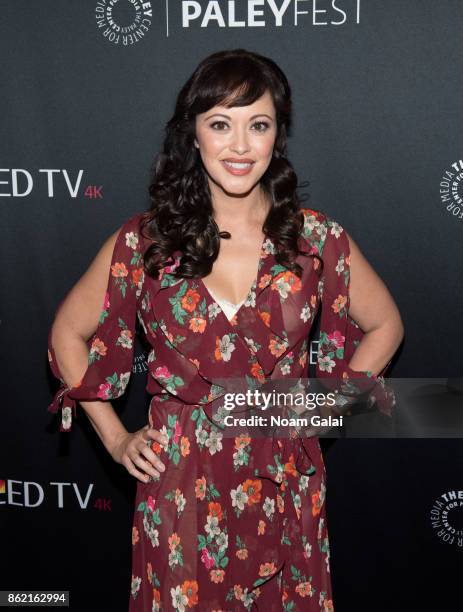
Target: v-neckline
{"type": "Point", "coordinates": [253, 286]}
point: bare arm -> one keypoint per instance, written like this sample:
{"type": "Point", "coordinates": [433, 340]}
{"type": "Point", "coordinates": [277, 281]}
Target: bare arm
{"type": "Point", "coordinates": [76, 322]}
{"type": "Point", "coordinates": [374, 310]}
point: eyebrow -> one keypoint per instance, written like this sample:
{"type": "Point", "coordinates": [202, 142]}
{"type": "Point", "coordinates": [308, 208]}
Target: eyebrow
{"type": "Point", "coordinates": [228, 117]}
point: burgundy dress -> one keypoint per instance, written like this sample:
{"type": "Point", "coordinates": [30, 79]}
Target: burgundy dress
{"type": "Point", "coordinates": [233, 523]}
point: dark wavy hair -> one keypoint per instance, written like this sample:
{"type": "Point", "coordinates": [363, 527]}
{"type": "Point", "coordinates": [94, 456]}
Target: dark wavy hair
{"type": "Point", "coordinates": [181, 215]}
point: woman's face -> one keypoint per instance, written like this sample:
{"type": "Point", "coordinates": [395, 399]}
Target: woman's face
{"type": "Point", "coordinates": [236, 144]}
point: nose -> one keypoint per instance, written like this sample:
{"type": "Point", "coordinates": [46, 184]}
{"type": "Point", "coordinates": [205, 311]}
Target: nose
{"type": "Point", "coordinates": [239, 143]}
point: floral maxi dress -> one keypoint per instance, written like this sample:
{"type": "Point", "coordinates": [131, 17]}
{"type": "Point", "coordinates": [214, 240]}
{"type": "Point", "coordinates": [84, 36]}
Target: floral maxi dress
{"type": "Point", "coordinates": [233, 523]}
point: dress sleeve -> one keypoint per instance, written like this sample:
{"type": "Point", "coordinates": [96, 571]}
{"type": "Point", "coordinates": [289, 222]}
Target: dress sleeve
{"type": "Point", "coordinates": [339, 333]}
{"type": "Point", "coordinates": [112, 345]}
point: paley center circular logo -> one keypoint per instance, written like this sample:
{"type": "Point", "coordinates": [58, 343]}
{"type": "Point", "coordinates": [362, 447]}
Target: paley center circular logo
{"type": "Point", "coordinates": [123, 22]}
{"type": "Point", "coordinates": [451, 189]}
{"type": "Point", "coordinates": [447, 517]}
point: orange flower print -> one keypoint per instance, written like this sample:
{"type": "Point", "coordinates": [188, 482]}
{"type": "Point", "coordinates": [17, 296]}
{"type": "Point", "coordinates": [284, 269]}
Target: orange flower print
{"type": "Point", "coordinates": [135, 535]}
{"type": "Point", "coordinates": [190, 589]}
{"type": "Point", "coordinates": [264, 281]}
{"type": "Point", "coordinates": [276, 347]}
{"type": "Point", "coordinates": [303, 358]}
{"type": "Point", "coordinates": [290, 466]}
{"type": "Point", "coordinates": [215, 509]}
{"type": "Point", "coordinates": [280, 504]}
{"type": "Point", "coordinates": [196, 362]}
{"type": "Point", "coordinates": [119, 270]}
{"type": "Point", "coordinates": [190, 299]}
{"type": "Point", "coordinates": [328, 605]}
{"type": "Point", "coordinates": [261, 527]}
{"type": "Point", "coordinates": [241, 441]}
{"type": "Point", "coordinates": [200, 488]}
{"type": "Point", "coordinates": [217, 575]}
{"type": "Point", "coordinates": [265, 316]}
{"type": "Point", "coordinates": [197, 325]}
{"type": "Point", "coordinates": [339, 304]}
{"type": "Point", "coordinates": [313, 300]}
{"type": "Point", "coordinates": [156, 599]}
{"type": "Point", "coordinates": [184, 446]}
{"type": "Point", "coordinates": [316, 505]}
{"type": "Point", "coordinates": [174, 541]}
{"type": "Point", "coordinates": [137, 275]}
{"type": "Point", "coordinates": [347, 260]}
{"type": "Point", "coordinates": [258, 372]}
{"type": "Point", "coordinates": [266, 569]}
{"type": "Point", "coordinates": [286, 283]}
{"type": "Point", "coordinates": [242, 553]}
{"type": "Point", "coordinates": [252, 489]}
{"type": "Point", "coordinates": [238, 590]}
{"type": "Point", "coordinates": [99, 347]}
{"type": "Point", "coordinates": [156, 447]}
{"type": "Point", "coordinates": [303, 589]}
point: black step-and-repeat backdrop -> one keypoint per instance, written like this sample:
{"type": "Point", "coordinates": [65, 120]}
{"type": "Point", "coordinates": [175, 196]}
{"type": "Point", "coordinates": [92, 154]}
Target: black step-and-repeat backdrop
{"type": "Point", "coordinates": [87, 87]}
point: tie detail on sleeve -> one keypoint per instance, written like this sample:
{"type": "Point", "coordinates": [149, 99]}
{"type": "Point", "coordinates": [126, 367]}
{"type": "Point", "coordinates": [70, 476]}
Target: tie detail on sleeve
{"type": "Point", "coordinates": [339, 333]}
{"type": "Point", "coordinates": [112, 345]}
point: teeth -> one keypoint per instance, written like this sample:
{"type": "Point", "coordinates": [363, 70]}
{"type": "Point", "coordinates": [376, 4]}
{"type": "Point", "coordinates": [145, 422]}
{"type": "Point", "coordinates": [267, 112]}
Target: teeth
{"type": "Point", "coordinates": [240, 166]}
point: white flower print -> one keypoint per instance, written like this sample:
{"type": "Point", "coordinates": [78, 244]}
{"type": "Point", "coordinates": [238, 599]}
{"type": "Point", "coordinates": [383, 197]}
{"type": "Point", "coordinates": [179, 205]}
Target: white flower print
{"type": "Point", "coordinates": [131, 240]}
{"type": "Point", "coordinates": [222, 541]}
{"type": "Point", "coordinates": [179, 599]}
{"type": "Point", "coordinates": [124, 380]}
{"type": "Point", "coordinates": [214, 442]}
{"type": "Point", "coordinates": [269, 507]}
{"type": "Point", "coordinates": [152, 533]}
{"type": "Point", "coordinates": [226, 347]}
{"type": "Point", "coordinates": [239, 457]}
{"type": "Point", "coordinates": [213, 310]}
{"type": "Point", "coordinates": [326, 364]}
{"type": "Point", "coordinates": [251, 345]}
{"type": "Point", "coordinates": [305, 313]}
{"type": "Point", "coordinates": [285, 368]}
{"type": "Point", "coordinates": [239, 497]}
{"type": "Point", "coordinates": [283, 287]}
{"type": "Point", "coordinates": [250, 298]}
{"type": "Point", "coordinates": [135, 587]}
{"type": "Point", "coordinates": [308, 549]}
{"type": "Point", "coordinates": [310, 222]}
{"type": "Point", "coordinates": [201, 436]}
{"type": "Point", "coordinates": [180, 502]}
{"type": "Point", "coordinates": [340, 265]}
{"type": "Point", "coordinates": [336, 229]}
{"type": "Point", "coordinates": [212, 525]}
{"type": "Point", "coordinates": [303, 483]}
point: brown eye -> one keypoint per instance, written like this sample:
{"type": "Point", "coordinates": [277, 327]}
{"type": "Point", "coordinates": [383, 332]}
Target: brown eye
{"type": "Point", "coordinates": [264, 123]}
{"type": "Point", "coordinates": [217, 123]}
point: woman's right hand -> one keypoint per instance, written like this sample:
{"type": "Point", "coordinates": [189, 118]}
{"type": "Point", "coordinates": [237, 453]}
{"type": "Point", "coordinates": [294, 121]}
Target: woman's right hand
{"type": "Point", "coordinates": [131, 450]}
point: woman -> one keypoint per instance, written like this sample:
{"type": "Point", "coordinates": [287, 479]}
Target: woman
{"type": "Point", "coordinates": [225, 275]}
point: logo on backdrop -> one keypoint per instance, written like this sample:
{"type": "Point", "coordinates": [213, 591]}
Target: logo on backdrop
{"type": "Point", "coordinates": [69, 495]}
{"type": "Point", "coordinates": [451, 189]}
{"type": "Point", "coordinates": [446, 517]}
{"type": "Point", "coordinates": [123, 22]}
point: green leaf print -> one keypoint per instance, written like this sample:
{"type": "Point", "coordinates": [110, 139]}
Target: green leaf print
{"type": "Point", "coordinates": [176, 457]}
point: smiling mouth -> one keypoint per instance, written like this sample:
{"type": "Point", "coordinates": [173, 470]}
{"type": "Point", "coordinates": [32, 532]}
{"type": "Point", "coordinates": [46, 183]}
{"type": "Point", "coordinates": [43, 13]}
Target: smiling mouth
{"type": "Point", "coordinates": [238, 165]}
